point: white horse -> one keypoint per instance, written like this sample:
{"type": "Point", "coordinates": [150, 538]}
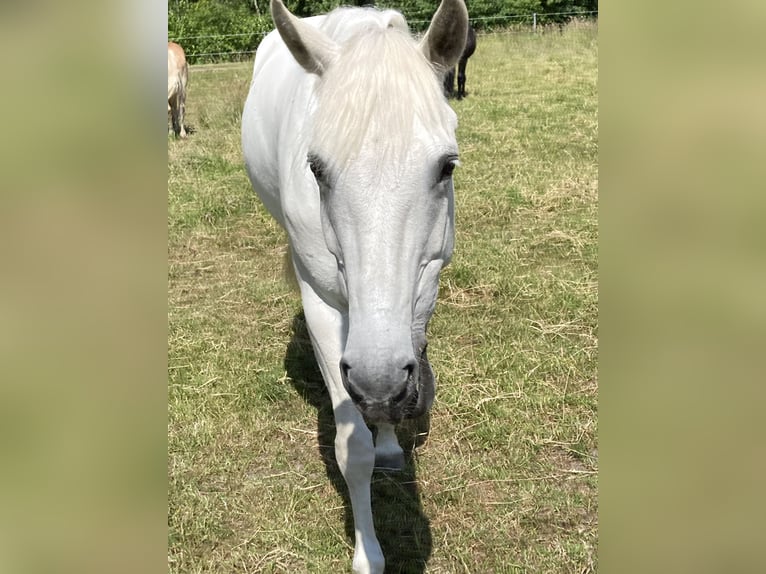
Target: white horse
{"type": "Point", "coordinates": [350, 144]}
{"type": "Point", "coordinates": [178, 76]}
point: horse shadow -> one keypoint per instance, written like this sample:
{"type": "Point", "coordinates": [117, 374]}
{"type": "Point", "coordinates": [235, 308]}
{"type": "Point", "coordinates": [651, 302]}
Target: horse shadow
{"type": "Point", "coordinates": [402, 528]}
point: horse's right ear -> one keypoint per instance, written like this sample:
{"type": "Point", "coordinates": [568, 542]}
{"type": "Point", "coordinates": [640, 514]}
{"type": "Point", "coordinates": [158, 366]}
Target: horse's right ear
{"type": "Point", "coordinates": [444, 41]}
{"type": "Point", "coordinates": [310, 47]}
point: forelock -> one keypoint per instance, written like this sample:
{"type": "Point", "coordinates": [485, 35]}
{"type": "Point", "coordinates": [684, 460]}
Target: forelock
{"type": "Point", "coordinates": [380, 86]}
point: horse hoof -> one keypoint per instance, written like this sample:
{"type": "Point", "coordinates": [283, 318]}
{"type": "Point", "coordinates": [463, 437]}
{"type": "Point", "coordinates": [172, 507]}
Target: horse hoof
{"type": "Point", "coordinates": [390, 462]}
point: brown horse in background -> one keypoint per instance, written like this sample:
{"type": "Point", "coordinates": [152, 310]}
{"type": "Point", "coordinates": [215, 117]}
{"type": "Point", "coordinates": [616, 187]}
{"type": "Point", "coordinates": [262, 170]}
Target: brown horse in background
{"type": "Point", "coordinates": [178, 76]}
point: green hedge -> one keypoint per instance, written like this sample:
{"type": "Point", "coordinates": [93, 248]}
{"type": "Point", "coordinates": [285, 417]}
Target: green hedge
{"type": "Point", "coordinates": [211, 30]}
{"type": "Point", "coordinates": [214, 30]}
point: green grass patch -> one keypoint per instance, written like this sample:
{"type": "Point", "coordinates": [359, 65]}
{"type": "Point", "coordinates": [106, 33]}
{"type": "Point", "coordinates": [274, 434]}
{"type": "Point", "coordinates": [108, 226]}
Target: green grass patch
{"type": "Point", "coordinates": [506, 481]}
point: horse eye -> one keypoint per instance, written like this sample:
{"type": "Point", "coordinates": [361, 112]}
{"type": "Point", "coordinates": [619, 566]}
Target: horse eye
{"type": "Point", "coordinates": [447, 170]}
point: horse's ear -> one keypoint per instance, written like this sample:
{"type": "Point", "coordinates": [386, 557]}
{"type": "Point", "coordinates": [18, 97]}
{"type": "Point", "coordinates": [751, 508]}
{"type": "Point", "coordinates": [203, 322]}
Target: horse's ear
{"type": "Point", "coordinates": [445, 38]}
{"type": "Point", "coordinates": [310, 47]}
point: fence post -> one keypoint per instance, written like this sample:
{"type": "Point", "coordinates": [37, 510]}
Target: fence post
{"type": "Point", "coordinates": [534, 21]}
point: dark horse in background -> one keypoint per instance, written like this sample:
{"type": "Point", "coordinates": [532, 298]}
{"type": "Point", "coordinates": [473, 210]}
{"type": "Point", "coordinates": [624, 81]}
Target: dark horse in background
{"type": "Point", "coordinates": [449, 78]}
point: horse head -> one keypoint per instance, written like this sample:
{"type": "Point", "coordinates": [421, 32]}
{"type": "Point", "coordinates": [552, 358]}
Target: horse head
{"type": "Point", "coordinates": [381, 150]}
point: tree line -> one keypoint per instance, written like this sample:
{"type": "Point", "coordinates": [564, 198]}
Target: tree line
{"type": "Point", "coordinates": [210, 30]}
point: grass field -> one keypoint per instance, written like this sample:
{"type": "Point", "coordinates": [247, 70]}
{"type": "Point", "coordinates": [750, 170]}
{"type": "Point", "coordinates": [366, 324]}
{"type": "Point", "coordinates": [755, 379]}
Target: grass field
{"type": "Point", "coordinates": [507, 478]}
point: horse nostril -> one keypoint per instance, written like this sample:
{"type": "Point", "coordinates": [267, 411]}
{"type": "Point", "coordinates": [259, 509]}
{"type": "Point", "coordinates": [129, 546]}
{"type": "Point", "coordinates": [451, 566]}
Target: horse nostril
{"type": "Point", "coordinates": [344, 369]}
{"type": "Point", "coordinates": [352, 392]}
{"type": "Point", "coordinates": [401, 396]}
{"type": "Point", "coordinates": [409, 368]}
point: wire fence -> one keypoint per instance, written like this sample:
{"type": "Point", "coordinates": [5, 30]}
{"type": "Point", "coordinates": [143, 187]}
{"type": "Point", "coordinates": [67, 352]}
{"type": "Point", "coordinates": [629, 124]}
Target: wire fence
{"type": "Point", "coordinates": [503, 24]}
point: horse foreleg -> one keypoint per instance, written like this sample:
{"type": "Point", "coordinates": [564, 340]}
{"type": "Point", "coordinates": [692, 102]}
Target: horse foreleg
{"type": "Point", "coordinates": [354, 449]}
{"type": "Point", "coordinates": [449, 83]}
{"type": "Point", "coordinates": [388, 454]}
{"type": "Point", "coordinates": [181, 114]}
{"type": "Point", "coordinates": [174, 115]}
{"type": "Point", "coordinates": [355, 454]}
{"type": "Point", "coordinates": [461, 80]}
{"type": "Point", "coordinates": [176, 107]}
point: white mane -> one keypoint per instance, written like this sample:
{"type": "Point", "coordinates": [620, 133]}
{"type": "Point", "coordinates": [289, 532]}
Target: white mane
{"type": "Point", "coordinates": [377, 90]}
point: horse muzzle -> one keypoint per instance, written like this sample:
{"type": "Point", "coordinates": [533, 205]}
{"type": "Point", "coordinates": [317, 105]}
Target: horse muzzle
{"type": "Point", "coordinates": [393, 391]}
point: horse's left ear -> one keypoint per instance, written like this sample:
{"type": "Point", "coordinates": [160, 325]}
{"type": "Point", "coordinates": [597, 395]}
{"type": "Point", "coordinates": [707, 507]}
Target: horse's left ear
{"type": "Point", "coordinates": [310, 47]}
{"type": "Point", "coordinates": [444, 41]}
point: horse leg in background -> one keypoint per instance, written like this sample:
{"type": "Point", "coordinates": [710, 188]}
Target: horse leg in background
{"type": "Point", "coordinates": [177, 108]}
{"type": "Point", "coordinates": [449, 83]}
{"type": "Point", "coordinates": [175, 114]}
{"type": "Point", "coordinates": [388, 454]}
{"type": "Point", "coordinates": [470, 48]}
{"type": "Point", "coordinates": [181, 114]}
{"type": "Point", "coordinates": [182, 101]}
{"type": "Point", "coordinates": [173, 109]}
{"type": "Point", "coordinates": [354, 449]}
{"type": "Point", "coordinates": [461, 79]}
